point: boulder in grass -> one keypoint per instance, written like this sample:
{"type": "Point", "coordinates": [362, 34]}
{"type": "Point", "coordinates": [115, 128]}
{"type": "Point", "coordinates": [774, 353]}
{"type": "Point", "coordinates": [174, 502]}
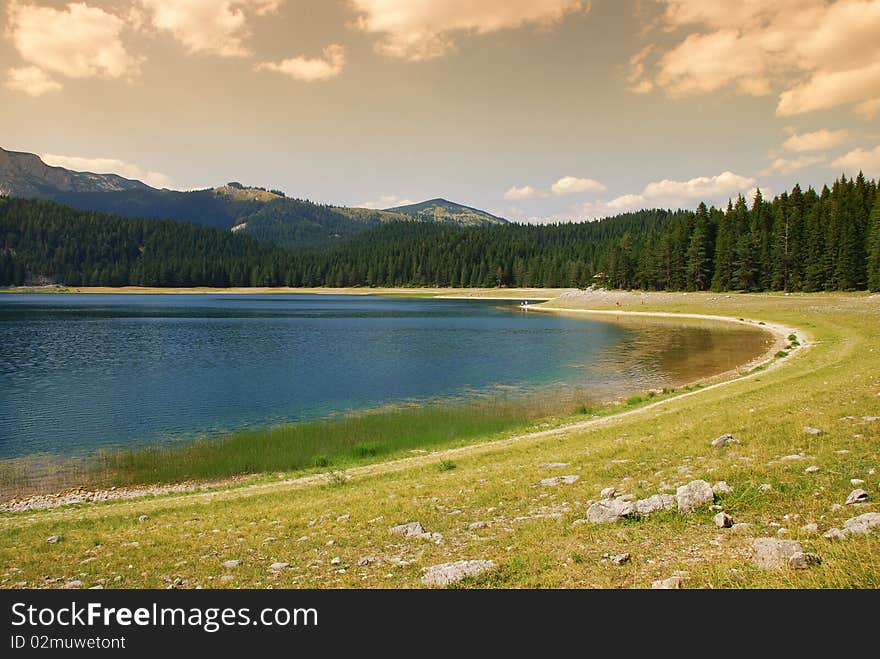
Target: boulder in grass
{"type": "Point", "coordinates": [694, 494]}
{"type": "Point", "coordinates": [857, 496]}
{"type": "Point", "coordinates": [724, 440]}
{"type": "Point", "coordinates": [773, 554]}
{"type": "Point", "coordinates": [450, 573]}
{"type": "Point", "coordinates": [409, 529]}
{"type": "Point", "coordinates": [610, 510]}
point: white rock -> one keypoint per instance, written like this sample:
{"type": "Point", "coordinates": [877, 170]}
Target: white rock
{"type": "Point", "coordinates": [772, 554]}
{"type": "Point", "coordinates": [812, 469]}
{"type": "Point", "coordinates": [857, 496]}
{"type": "Point", "coordinates": [671, 583]}
{"type": "Point", "coordinates": [558, 480]}
{"type": "Point", "coordinates": [279, 566]}
{"type": "Point", "coordinates": [343, 518]}
{"type": "Point", "coordinates": [833, 534]}
{"type": "Point", "coordinates": [620, 559]}
{"type": "Point", "coordinates": [865, 523]}
{"type": "Point", "coordinates": [410, 529]}
{"type": "Point", "coordinates": [555, 465]}
{"type": "Point", "coordinates": [724, 440]}
{"type": "Point", "coordinates": [607, 493]}
{"type": "Point", "coordinates": [696, 493]}
{"type": "Point", "coordinates": [810, 528]}
{"type": "Point", "coordinates": [52, 539]}
{"type": "Point", "coordinates": [741, 527]}
{"type": "Point", "coordinates": [721, 487]}
{"type": "Point", "coordinates": [336, 560]}
{"type": "Point", "coordinates": [856, 481]}
{"type": "Point", "coordinates": [233, 563]}
{"type": "Point", "coordinates": [723, 520]}
{"type": "Point", "coordinates": [610, 510]}
{"type": "Point", "coordinates": [449, 573]}
{"type": "Point", "coordinates": [655, 502]}
{"type": "Point", "coordinates": [791, 458]}
{"type": "Point", "coordinates": [765, 487]}
{"type": "Point", "coordinates": [809, 430]}
{"type": "Point", "coordinates": [76, 583]}
{"type": "Point", "coordinates": [473, 526]}
{"type": "Point", "coordinates": [143, 518]}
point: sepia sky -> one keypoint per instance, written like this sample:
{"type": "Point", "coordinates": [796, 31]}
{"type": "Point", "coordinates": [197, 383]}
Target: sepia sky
{"type": "Point", "coordinates": [532, 109]}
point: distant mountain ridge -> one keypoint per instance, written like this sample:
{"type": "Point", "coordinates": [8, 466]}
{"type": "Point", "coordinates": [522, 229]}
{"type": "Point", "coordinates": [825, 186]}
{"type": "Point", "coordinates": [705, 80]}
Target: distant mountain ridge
{"type": "Point", "coordinates": [267, 215]}
{"type": "Point", "coordinates": [26, 175]}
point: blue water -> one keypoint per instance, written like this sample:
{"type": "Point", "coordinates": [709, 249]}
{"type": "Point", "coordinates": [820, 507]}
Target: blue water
{"type": "Point", "coordinates": [80, 372]}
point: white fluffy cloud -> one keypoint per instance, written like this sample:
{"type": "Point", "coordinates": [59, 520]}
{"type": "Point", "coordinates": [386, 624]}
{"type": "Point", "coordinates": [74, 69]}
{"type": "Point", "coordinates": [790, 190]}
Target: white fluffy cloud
{"type": "Point", "coordinates": [31, 80]}
{"type": "Point", "coordinates": [212, 27]}
{"type": "Point", "coordinates": [791, 165]}
{"type": "Point", "coordinates": [864, 160]}
{"type": "Point", "coordinates": [310, 69]}
{"type": "Point", "coordinates": [675, 194]}
{"type": "Point", "coordinates": [572, 184]}
{"type": "Point", "coordinates": [386, 201]}
{"type": "Point", "coordinates": [425, 29]}
{"type": "Point", "coordinates": [108, 166]}
{"type": "Point", "coordinates": [523, 192]}
{"type": "Point", "coordinates": [819, 54]}
{"type": "Point", "coordinates": [78, 41]}
{"type": "Point", "coordinates": [818, 140]}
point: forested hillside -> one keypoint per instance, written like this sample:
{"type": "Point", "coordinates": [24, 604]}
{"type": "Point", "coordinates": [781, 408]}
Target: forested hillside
{"type": "Point", "coordinates": [799, 241]}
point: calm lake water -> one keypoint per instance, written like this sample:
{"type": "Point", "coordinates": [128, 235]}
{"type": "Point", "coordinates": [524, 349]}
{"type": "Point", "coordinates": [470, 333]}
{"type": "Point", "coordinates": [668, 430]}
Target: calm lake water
{"type": "Point", "coordinates": [80, 372]}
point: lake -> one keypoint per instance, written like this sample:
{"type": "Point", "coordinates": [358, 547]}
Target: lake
{"type": "Point", "coordinates": [80, 372]}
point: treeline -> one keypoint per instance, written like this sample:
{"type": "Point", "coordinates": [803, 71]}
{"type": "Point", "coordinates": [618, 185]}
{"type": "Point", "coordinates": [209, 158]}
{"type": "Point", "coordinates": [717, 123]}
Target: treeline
{"type": "Point", "coordinates": [799, 241]}
{"type": "Point", "coordinates": [41, 241]}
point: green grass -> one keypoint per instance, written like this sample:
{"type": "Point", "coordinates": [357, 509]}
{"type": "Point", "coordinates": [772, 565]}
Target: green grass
{"type": "Point", "coordinates": [338, 443]}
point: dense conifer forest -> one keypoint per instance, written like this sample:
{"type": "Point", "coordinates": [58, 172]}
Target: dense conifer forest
{"type": "Point", "coordinates": [798, 241]}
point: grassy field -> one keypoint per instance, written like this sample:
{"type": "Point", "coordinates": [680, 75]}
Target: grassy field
{"type": "Point", "coordinates": [333, 529]}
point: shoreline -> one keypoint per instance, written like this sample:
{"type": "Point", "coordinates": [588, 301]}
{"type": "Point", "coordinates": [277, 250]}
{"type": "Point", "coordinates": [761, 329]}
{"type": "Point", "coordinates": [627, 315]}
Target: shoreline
{"type": "Point", "coordinates": [768, 360]}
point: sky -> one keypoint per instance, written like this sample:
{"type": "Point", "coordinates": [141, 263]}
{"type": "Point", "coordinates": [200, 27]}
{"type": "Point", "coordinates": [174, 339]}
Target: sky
{"type": "Point", "coordinates": [535, 110]}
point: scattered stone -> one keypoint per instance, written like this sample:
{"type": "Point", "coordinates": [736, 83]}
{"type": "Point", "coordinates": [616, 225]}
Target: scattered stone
{"type": "Point", "coordinates": [449, 573]}
{"type": "Point", "coordinates": [857, 496]}
{"type": "Point", "coordinates": [366, 560]}
{"type": "Point", "coordinates": [52, 539]}
{"type": "Point", "coordinates": [279, 566]}
{"type": "Point", "coordinates": [557, 480]}
{"type": "Point", "coordinates": [695, 493]}
{"type": "Point", "coordinates": [554, 465]}
{"type": "Point", "coordinates": [143, 518]}
{"type": "Point", "coordinates": [620, 559]}
{"type": "Point", "coordinates": [721, 487]}
{"type": "Point", "coordinates": [842, 451]}
{"type": "Point", "coordinates": [772, 554]}
{"type": "Point", "coordinates": [834, 534]}
{"type": "Point", "coordinates": [862, 524]}
{"type": "Point", "coordinates": [76, 583]}
{"type": "Point", "coordinates": [343, 518]}
{"type": "Point", "coordinates": [409, 529]}
{"type": "Point", "coordinates": [791, 458]}
{"type": "Point", "coordinates": [654, 503]}
{"type": "Point", "coordinates": [336, 560]}
{"type": "Point", "coordinates": [227, 577]}
{"type": "Point", "coordinates": [608, 493]}
{"type": "Point", "coordinates": [765, 487]}
{"type": "Point", "coordinates": [723, 520]}
{"type": "Point", "coordinates": [803, 560]}
{"type": "Point", "coordinates": [672, 583]}
{"type": "Point", "coordinates": [233, 563]}
{"type": "Point", "coordinates": [473, 526]}
{"type": "Point", "coordinates": [610, 510]}
{"type": "Point", "coordinates": [724, 440]}
{"type": "Point", "coordinates": [809, 430]}
{"type": "Point", "coordinates": [812, 469]}
{"type": "Point", "coordinates": [98, 587]}
{"type": "Point", "coordinates": [782, 531]}
{"type": "Point", "coordinates": [810, 528]}
{"type": "Point", "coordinates": [871, 418]}
{"type": "Point", "coordinates": [856, 481]}
{"type": "Point", "coordinates": [715, 508]}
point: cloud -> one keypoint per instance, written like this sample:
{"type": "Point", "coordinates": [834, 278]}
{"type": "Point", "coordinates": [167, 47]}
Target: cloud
{"type": "Point", "coordinates": [523, 192]}
{"type": "Point", "coordinates": [674, 194]}
{"type": "Point", "coordinates": [816, 54]}
{"type": "Point", "coordinates": [210, 27]}
{"type": "Point", "coordinates": [78, 41]}
{"type": "Point", "coordinates": [571, 184]}
{"type": "Point", "coordinates": [864, 160]}
{"type": "Point", "coordinates": [429, 28]}
{"type": "Point", "coordinates": [31, 80]}
{"type": "Point", "coordinates": [310, 69]}
{"type": "Point", "coordinates": [386, 201]}
{"type": "Point", "coordinates": [108, 166]}
{"type": "Point", "coordinates": [818, 140]}
{"type": "Point", "coordinates": [791, 165]}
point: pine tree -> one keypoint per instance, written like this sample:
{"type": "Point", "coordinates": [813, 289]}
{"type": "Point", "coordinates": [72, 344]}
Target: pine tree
{"type": "Point", "coordinates": [699, 253]}
{"type": "Point", "coordinates": [874, 246]}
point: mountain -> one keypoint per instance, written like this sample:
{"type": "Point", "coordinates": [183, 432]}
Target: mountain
{"type": "Point", "coordinates": [26, 175]}
{"type": "Point", "coordinates": [442, 210]}
{"type": "Point", "coordinates": [267, 215]}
